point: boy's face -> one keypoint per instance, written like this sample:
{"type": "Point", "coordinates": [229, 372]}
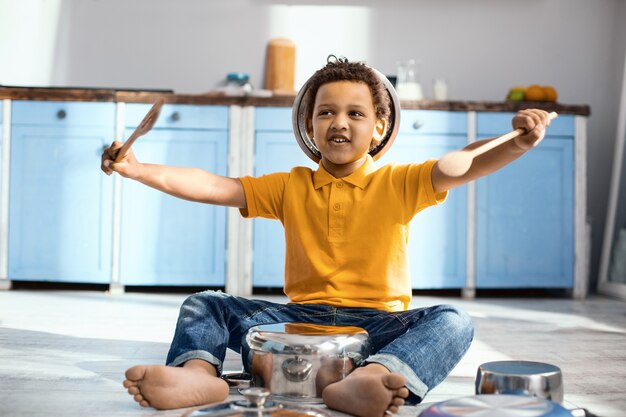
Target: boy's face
{"type": "Point", "coordinates": [344, 124]}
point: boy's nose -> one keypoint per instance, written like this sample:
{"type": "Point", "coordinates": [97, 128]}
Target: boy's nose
{"type": "Point", "coordinates": [339, 123]}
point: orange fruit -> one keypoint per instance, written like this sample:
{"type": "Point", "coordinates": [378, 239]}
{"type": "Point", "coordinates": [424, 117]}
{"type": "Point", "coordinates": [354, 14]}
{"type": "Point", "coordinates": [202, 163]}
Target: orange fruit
{"type": "Point", "coordinates": [535, 93]}
{"type": "Point", "coordinates": [549, 93]}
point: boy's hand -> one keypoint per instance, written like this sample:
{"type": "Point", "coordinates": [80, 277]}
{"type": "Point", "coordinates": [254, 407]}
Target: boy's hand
{"type": "Point", "coordinates": [534, 123]}
{"type": "Point", "coordinates": [128, 167]}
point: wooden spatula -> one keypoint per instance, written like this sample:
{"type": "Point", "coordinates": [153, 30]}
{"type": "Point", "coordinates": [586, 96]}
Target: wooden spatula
{"type": "Point", "coordinates": [144, 127]}
{"type": "Point", "coordinates": [458, 163]}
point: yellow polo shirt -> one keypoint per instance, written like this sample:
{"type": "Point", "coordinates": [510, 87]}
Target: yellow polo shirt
{"type": "Point", "coordinates": [346, 238]}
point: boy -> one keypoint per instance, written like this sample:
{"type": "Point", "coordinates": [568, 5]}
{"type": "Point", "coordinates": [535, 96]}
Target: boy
{"type": "Point", "coordinates": [346, 228]}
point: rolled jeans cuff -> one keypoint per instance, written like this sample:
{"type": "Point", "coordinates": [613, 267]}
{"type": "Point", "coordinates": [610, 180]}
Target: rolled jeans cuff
{"type": "Point", "coordinates": [197, 354]}
{"type": "Point", "coordinates": [413, 383]}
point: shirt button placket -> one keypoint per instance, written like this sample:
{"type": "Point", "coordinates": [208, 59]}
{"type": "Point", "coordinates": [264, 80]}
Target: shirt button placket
{"type": "Point", "coordinates": [336, 216]}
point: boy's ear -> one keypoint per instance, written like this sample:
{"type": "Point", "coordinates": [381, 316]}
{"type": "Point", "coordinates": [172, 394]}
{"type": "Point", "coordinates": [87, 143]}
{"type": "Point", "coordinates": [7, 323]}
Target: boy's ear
{"type": "Point", "coordinates": [379, 130]}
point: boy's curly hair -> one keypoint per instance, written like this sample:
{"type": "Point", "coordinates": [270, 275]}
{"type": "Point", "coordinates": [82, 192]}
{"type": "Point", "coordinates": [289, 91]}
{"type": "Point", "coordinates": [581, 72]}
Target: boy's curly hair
{"type": "Point", "coordinates": [340, 69]}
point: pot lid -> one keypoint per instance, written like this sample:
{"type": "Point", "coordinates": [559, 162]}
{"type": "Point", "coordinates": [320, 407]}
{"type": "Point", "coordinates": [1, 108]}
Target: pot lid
{"type": "Point", "coordinates": [308, 146]}
{"type": "Point", "coordinates": [305, 338]}
{"type": "Point", "coordinates": [496, 406]}
{"type": "Point", "coordinates": [256, 404]}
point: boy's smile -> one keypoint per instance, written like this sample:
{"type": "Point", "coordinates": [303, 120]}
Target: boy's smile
{"type": "Point", "coordinates": [344, 124]}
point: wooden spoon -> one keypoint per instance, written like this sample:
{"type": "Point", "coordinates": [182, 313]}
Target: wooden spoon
{"type": "Point", "coordinates": [455, 164]}
{"type": "Point", "coordinates": [144, 127]}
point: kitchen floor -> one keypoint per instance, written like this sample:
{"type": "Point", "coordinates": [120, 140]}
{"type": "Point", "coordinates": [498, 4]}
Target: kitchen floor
{"type": "Point", "coordinates": [63, 353]}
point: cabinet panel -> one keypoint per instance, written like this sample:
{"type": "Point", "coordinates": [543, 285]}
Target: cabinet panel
{"type": "Point", "coordinates": [60, 211]}
{"type": "Point", "coordinates": [433, 122]}
{"type": "Point", "coordinates": [63, 113]}
{"type": "Point", "coordinates": [180, 116]}
{"type": "Point", "coordinates": [275, 152]}
{"type": "Point", "coordinates": [525, 225]}
{"type": "Point", "coordinates": [438, 235]}
{"type": "Point", "coordinates": [496, 124]}
{"type": "Point", "coordinates": [166, 240]}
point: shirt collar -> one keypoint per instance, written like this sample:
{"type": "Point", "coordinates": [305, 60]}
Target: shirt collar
{"type": "Point", "coordinates": [359, 178]}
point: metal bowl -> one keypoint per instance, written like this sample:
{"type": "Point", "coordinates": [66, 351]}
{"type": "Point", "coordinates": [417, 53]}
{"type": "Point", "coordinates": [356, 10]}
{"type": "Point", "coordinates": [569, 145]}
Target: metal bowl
{"type": "Point", "coordinates": [307, 144]}
{"type": "Point", "coordinates": [295, 361]}
{"type": "Point", "coordinates": [522, 378]}
{"type": "Point", "coordinates": [496, 406]}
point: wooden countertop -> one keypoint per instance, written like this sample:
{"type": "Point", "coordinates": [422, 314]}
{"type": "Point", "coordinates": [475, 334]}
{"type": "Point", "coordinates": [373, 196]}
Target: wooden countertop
{"type": "Point", "coordinates": [134, 96]}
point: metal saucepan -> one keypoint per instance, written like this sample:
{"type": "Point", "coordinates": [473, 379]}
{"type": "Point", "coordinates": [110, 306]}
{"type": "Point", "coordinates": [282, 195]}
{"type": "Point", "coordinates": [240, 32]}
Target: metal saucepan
{"type": "Point", "coordinates": [307, 144]}
{"type": "Point", "coordinates": [255, 404]}
{"type": "Point", "coordinates": [496, 406]}
{"type": "Point", "coordinates": [295, 361]}
{"type": "Point", "coordinates": [520, 377]}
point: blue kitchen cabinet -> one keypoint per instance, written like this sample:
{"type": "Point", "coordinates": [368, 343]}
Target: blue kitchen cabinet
{"type": "Point", "coordinates": [276, 150]}
{"type": "Point", "coordinates": [1, 140]}
{"type": "Point", "coordinates": [438, 235]}
{"type": "Point", "coordinates": [60, 203]}
{"type": "Point", "coordinates": [165, 240]}
{"type": "Point", "coordinates": [525, 212]}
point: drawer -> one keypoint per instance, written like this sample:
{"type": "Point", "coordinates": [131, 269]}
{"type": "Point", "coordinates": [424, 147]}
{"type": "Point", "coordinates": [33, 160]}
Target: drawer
{"type": "Point", "coordinates": [179, 116]}
{"type": "Point", "coordinates": [495, 124]}
{"type": "Point", "coordinates": [62, 113]}
{"type": "Point", "coordinates": [433, 122]}
{"type": "Point", "coordinates": [273, 118]}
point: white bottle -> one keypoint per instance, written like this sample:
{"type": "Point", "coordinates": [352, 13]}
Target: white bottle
{"type": "Point", "coordinates": [440, 89]}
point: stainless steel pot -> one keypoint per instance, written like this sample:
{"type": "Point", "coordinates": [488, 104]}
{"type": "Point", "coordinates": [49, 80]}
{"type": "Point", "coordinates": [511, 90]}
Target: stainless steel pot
{"type": "Point", "coordinates": [520, 377]}
{"type": "Point", "coordinates": [255, 404]}
{"type": "Point", "coordinates": [307, 144]}
{"type": "Point", "coordinates": [496, 406]}
{"type": "Point", "coordinates": [296, 361]}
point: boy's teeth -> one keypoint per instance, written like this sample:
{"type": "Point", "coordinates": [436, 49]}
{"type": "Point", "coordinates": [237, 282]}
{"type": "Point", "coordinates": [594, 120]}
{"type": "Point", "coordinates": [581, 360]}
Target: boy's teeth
{"type": "Point", "coordinates": [339, 140]}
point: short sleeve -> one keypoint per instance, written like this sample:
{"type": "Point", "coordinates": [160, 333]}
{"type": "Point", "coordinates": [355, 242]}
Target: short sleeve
{"type": "Point", "coordinates": [264, 195]}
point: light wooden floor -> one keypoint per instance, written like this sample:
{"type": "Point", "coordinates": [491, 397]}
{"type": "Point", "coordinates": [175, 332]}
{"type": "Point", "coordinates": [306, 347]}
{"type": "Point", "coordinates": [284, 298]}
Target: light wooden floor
{"type": "Point", "coordinates": [63, 353]}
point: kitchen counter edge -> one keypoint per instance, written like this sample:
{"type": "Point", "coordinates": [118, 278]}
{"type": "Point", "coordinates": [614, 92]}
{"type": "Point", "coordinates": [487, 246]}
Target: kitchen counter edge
{"type": "Point", "coordinates": [79, 94]}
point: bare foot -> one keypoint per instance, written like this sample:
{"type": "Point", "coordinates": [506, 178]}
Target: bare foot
{"type": "Point", "coordinates": [370, 391]}
{"type": "Point", "coordinates": [166, 387]}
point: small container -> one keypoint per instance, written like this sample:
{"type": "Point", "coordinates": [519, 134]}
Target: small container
{"type": "Point", "coordinates": [237, 84]}
{"type": "Point", "coordinates": [407, 84]}
{"type": "Point", "coordinates": [440, 89]}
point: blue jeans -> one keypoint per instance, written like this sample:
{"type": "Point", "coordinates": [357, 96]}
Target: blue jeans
{"type": "Point", "coordinates": [422, 344]}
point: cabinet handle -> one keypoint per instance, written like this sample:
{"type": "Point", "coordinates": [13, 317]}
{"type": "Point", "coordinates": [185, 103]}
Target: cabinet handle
{"type": "Point", "coordinates": [418, 124]}
{"type": "Point", "coordinates": [175, 116]}
{"type": "Point", "coordinates": [61, 114]}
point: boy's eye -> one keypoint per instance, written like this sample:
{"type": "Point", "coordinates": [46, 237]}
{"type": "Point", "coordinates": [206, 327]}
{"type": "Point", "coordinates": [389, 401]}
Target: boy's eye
{"type": "Point", "coordinates": [356, 114]}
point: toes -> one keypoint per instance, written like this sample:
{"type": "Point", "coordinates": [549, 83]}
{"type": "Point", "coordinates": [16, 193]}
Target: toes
{"type": "Point", "coordinates": [397, 402]}
{"type": "Point", "coordinates": [128, 383]}
{"type": "Point", "coordinates": [394, 381]}
{"type": "Point", "coordinates": [134, 390]}
{"type": "Point", "coordinates": [392, 409]}
{"type": "Point", "coordinates": [135, 373]}
{"type": "Point", "coordinates": [403, 392]}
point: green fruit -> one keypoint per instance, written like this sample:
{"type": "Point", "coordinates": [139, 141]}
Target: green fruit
{"type": "Point", "coordinates": [516, 95]}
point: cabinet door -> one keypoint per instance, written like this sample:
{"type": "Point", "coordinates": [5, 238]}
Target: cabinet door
{"type": "Point", "coordinates": [275, 152]}
{"type": "Point", "coordinates": [438, 235]}
{"type": "Point", "coordinates": [166, 240]}
{"type": "Point", "coordinates": [60, 210]}
{"type": "Point", "coordinates": [525, 224]}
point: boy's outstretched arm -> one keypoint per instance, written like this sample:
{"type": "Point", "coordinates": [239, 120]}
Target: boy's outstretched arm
{"type": "Point", "coordinates": [533, 121]}
{"type": "Point", "coordinates": [191, 184]}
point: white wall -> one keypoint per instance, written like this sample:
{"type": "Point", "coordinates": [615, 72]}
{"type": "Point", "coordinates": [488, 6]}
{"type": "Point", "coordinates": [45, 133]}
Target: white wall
{"type": "Point", "coordinates": [481, 47]}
